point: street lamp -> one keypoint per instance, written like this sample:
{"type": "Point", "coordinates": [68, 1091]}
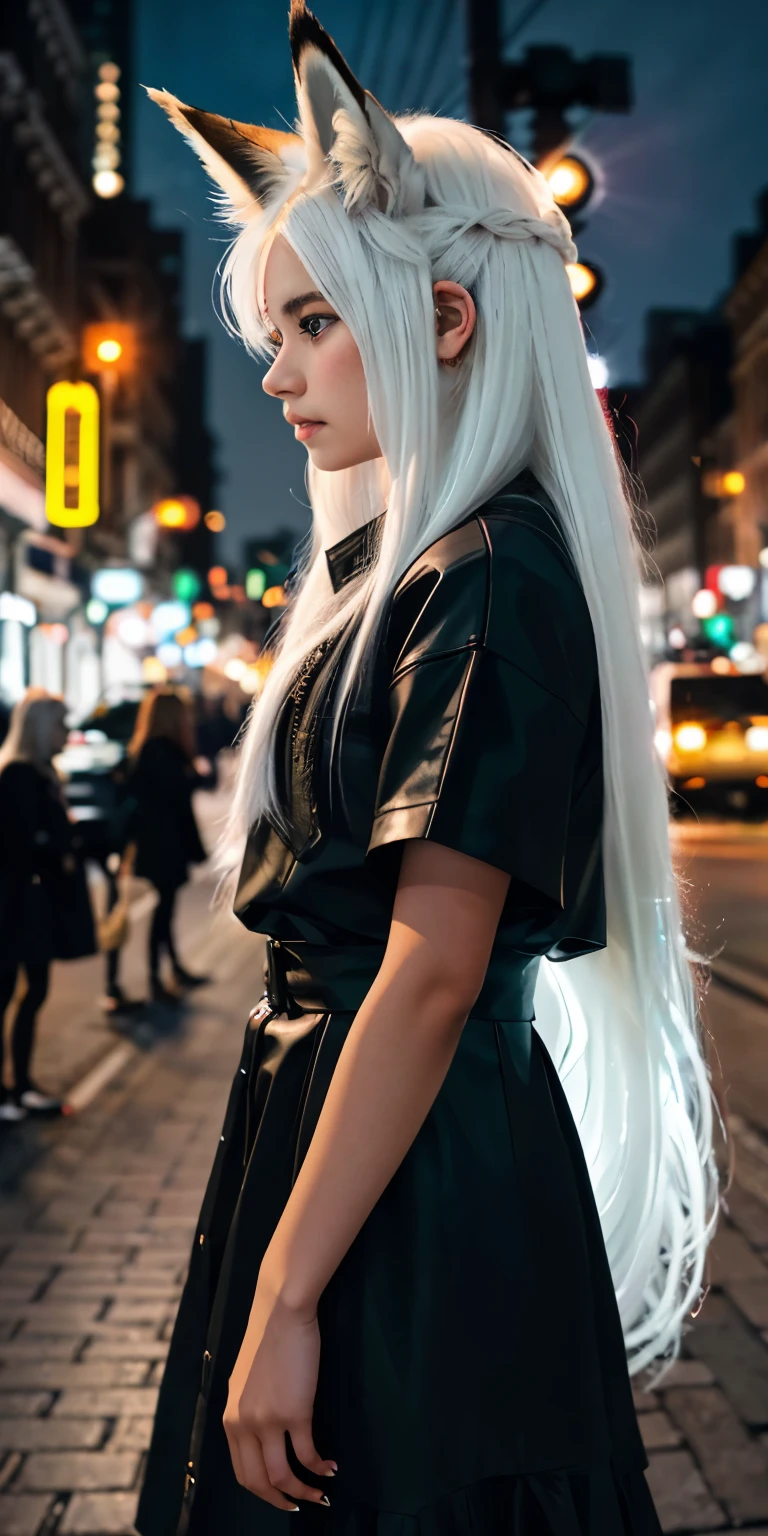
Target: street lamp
{"type": "Point", "coordinates": [572, 183]}
{"type": "Point", "coordinates": [586, 282]}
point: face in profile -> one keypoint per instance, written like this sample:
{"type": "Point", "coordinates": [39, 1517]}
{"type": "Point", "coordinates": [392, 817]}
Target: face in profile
{"type": "Point", "coordinates": [317, 371]}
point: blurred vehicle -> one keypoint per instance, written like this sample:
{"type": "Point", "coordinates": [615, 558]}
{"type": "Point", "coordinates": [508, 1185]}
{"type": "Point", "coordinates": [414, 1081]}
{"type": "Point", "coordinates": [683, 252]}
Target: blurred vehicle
{"type": "Point", "coordinates": [711, 732]}
{"type": "Point", "coordinates": [91, 769]}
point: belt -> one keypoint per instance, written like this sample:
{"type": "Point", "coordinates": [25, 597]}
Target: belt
{"type": "Point", "coordinates": [316, 978]}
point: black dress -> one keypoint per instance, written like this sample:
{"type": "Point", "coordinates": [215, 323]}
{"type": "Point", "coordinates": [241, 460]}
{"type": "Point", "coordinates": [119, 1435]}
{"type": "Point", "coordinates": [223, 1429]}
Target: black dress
{"type": "Point", "coordinates": [45, 909]}
{"type": "Point", "coordinates": [473, 1376]}
{"type": "Point", "coordinates": [162, 822]}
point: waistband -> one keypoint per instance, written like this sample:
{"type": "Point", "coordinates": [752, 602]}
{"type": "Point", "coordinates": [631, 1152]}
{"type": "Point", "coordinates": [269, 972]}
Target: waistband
{"type": "Point", "coordinates": [316, 978]}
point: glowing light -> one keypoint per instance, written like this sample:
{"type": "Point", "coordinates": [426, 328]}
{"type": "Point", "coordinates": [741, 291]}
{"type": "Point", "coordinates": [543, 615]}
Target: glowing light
{"type": "Point", "coordinates": [215, 522]}
{"type": "Point", "coordinates": [251, 680]}
{"type": "Point", "coordinates": [107, 132]}
{"type": "Point", "coordinates": [108, 351]}
{"type": "Point", "coordinates": [12, 606]}
{"type": "Point", "coordinates": [235, 668]}
{"type": "Point", "coordinates": [690, 738]}
{"type": "Point", "coordinates": [677, 638]}
{"type": "Point", "coordinates": [704, 603]}
{"type": "Point", "coordinates": [719, 629]}
{"type": "Point", "coordinates": [737, 582]}
{"type": "Point", "coordinates": [169, 514]}
{"type": "Point", "coordinates": [186, 584]}
{"type": "Point", "coordinates": [571, 182]}
{"type": "Point", "coordinates": [201, 653]}
{"type": "Point", "coordinates": [762, 781]}
{"type": "Point", "coordinates": [274, 597]}
{"type": "Point", "coordinates": [168, 617]}
{"type": "Point", "coordinates": [72, 456]}
{"type": "Point", "coordinates": [733, 482]}
{"type": "Point", "coordinates": [256, 583]}
{"type": "Point", "coordinates": [203, 611]}
{"type": "Point", "coordinates": [107, 90]}
{"type": "Point", "coordinates": [153, 670]}
{"type": "Point", "coordinates": [742, 651]}
{"type": "Point", "coordinates": [186, 636]}
{"type": "Point", "coordinates": [106, 158]}
{"type": "Point", "coordinates": [722, 666]}
{"type": "Point", "coordinates": [598, 371]}
{"type": "Point", "coordinates": [109, 71]}
{"type": "Point", "coordinates": [133, 630]}
{"type": "Point", "coordinates": [107, 184]}
{"type": "Point", "coordinates": [169, 654]}
{"type": "Point", "coordinates": [117, 585]}
{"type": "Point", "coordinates": [756, 738]}
{"type": "Point", "coordinates": [696, 783]}
{"type": "Point", "coordinates": [586, 282]}
{"type": "Point", "coordinates": [217, 576]}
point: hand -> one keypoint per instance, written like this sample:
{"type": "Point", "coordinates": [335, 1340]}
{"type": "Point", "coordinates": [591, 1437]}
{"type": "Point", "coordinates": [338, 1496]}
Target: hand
{"type": "Point", "coordinates": [271, 1391]}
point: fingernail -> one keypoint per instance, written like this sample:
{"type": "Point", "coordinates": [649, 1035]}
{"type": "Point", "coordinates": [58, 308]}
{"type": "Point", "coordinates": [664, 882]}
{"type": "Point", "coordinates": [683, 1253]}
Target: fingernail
{"type": "Point", "coordinates": [332, 1474]}
{"type": "Point", "coordinates": [334, 1465]}
{"type": "Point", "coordinates": [294, 1510]}
{"type": "Point", "coordinates": [325, 1500]}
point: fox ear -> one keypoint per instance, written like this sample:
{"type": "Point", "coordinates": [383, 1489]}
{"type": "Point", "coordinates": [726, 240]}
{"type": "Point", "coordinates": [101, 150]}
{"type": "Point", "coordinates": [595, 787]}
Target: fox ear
{"type": "Point", "coordinates": [344, 125]}
{"type": "Point", "coordinates": [252, 166]}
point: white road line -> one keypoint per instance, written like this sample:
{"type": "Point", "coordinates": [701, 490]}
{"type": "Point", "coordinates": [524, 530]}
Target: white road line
{"type": "Point", "coordinates": [94, 1081]}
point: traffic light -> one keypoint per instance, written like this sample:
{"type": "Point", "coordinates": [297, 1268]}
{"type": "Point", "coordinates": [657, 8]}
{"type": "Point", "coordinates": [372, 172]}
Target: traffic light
{"type": "Point", "coordinates": [178, 512]}
{"type": "Point", "coordinates": [72, 455]}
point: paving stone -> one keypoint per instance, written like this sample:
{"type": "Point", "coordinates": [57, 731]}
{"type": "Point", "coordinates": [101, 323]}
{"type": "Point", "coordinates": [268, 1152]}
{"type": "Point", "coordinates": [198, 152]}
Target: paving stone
{"type": "Point", "coordinates": [125, 1349]}
{"type": "Point", "coordinates": [751, 1297]}
{"type": "Point", "coordinates": [100, 1514]}
{"type": "Point", "coordinates": [22, 1514]}
{"type": "Point", "coordinates": [58, 1374]}
{"type": "Point", "coordinates": [731, 1258]}
{"type": "Point", "coordinates": [737, 1358]}
{"type": "Point", "coordinates": [109, 1402]}
{"type": "Point", "coordinates": [43, 1317]}
{"type": "Point", "coordinates": [736, 1465]}
{"type": "Point", "coordinates": [687, 1373]}
{"type": "Point", "coordinates": [749, 1214]}
{"type": "Point", "coordinates": [11, 1462]}
{"type": "Point", "coordinates": [658, 1431]}
{"type": "Point", "coordinates": [683, 1501]}
{"type": "Point", "coordinates": [131, 1435]}
{"type": "Point", "coordinates": [51, 1434]}
{"type": "Point", "coordinates": [95, 1470]}
{"type": "Point", "coordinates": [25, 1404]}
{"type": "Point", "coordinates": [63, 1347]}
{"type": "Point", "coordinates": [154, 1312]}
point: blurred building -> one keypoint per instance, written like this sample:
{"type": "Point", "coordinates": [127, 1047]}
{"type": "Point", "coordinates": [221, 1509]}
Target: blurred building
{"type": "Point", "coordinates": [746, 309]}
{"type": "Point", "coordinates": [687, 359]}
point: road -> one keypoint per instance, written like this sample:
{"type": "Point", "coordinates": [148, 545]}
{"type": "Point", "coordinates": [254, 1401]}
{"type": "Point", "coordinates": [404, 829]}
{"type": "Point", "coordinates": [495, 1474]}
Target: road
{"type": "Point", "coordinates": [98, 1211]}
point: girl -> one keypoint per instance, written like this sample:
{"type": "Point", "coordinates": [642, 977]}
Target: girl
{"type": "Point", "coordinates": [45, 911]}
{"type": "Point", "coordinates": [161, 781]}
{"type": "Point", "coordinates": [458, 1163]}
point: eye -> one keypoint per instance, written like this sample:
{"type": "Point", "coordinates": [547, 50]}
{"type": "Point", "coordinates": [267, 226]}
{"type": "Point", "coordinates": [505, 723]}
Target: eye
{"type": "Point", "coordinates": [316, 325]}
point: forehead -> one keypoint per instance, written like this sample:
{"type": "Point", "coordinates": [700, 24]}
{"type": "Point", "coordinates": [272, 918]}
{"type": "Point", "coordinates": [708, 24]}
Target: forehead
{"type": "Point", "coordinates": [283, 276]}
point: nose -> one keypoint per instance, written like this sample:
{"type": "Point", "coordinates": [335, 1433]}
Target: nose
{"type": "Point", "coordinates": [283, 378]}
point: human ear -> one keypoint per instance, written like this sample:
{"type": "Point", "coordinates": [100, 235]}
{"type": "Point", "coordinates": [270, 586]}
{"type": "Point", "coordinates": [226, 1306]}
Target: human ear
{"type": "Point", "coordinates": [455, 319]}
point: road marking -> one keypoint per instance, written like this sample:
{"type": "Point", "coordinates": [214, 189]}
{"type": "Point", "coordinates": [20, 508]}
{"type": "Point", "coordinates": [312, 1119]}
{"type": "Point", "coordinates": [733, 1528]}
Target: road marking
{"type": "Point", "coordinates": [94, 1081]}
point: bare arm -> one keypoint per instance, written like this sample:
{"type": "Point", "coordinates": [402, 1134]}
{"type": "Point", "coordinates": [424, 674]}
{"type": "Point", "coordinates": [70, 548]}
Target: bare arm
{"type": "Point", "coordinates": [393, 1062]}
{"type": "Point", "coordinates": [388, 1075]}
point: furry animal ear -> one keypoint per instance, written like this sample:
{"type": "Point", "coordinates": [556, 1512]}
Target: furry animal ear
{"type": "Point", "coordinates": [252, 166]}
{"type": "Point", "coordinates": [344, 125]}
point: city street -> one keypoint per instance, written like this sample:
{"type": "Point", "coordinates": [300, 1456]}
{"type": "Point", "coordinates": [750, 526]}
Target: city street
{"type": "Point", "coordinates": [98, 1212]}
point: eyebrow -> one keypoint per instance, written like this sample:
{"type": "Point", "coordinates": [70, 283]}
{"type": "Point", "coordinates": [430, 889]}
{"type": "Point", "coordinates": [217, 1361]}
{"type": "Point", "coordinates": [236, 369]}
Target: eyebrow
{"type": "Point", "coordinates": [292, 306]}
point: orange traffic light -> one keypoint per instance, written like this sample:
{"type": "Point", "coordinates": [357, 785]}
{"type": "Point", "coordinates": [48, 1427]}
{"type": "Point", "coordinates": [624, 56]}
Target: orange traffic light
{"type": "Point", "coordinates": [109, 346]}
{"type": "Point", "coordinates": [180, 512]}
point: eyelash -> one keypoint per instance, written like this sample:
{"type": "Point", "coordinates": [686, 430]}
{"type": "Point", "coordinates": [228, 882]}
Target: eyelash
{"type": "Point", "coordinates": [276, 340]}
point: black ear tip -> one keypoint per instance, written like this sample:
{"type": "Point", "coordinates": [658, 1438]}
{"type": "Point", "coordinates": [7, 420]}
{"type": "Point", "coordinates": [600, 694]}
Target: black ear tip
{"type": "Point", "coordinates": [305, 30]}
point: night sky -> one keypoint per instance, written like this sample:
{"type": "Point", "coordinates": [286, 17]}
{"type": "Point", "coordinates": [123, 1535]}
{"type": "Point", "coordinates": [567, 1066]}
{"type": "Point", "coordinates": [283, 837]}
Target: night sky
{"type": "Point", "coordinates": [680, 173]}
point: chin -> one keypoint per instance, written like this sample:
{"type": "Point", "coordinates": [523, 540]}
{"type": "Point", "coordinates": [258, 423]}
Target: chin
{"type": "Point", "coordinates": [331, 460]}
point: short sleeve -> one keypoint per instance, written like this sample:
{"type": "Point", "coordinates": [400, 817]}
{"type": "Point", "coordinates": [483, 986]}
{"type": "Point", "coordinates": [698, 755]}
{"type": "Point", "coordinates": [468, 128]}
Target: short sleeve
{"type": "Point", "coordinates": [484, 740]}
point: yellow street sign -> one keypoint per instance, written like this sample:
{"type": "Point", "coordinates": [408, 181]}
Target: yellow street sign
{"type": "Point", "coordinates": [72, 455]}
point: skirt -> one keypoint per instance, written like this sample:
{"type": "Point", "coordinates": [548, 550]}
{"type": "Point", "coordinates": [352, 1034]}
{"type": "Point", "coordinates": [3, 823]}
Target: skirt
{"type": "Point", "coordinates": [473, 1377]}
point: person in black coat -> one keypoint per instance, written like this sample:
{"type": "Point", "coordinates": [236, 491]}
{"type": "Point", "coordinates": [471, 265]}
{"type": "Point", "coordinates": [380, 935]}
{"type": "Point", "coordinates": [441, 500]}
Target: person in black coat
{"type": "Point", "coordinates": [162, 826]}
{"type": "Point", "coordinates": [45, 911]}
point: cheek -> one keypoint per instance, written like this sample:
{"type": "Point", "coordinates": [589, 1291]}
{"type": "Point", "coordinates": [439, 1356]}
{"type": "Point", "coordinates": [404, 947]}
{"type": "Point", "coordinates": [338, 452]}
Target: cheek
{"type": "Point", "coordinates": [340, 372]}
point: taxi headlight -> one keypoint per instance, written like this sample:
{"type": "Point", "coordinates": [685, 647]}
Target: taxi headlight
{"type": "Point", "coordinates": [690, 738]}
{"type": "Point", "coordinates": [756, 738]}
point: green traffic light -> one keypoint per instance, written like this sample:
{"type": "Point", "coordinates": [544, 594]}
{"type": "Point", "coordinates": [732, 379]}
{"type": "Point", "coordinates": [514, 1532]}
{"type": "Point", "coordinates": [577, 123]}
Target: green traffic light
{"type": "Point", "coordinates": [256, 583]}
{"type": "Point", "coordinates": [719, 629]}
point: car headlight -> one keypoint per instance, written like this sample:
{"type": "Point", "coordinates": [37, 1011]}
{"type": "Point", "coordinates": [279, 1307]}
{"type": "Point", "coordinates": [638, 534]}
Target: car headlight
{"type": "Point", "coordinates": [756, 738]}
{"type": "Point", "coordinates": [690, 738]}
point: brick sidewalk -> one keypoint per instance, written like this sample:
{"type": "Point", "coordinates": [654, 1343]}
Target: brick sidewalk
{"type": "Point", "coordinates": [94, 1245]}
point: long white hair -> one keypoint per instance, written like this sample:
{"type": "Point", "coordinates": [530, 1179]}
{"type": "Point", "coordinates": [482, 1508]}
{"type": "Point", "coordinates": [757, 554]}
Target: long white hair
{"type": "Point", "coordinates": [621, 1023]}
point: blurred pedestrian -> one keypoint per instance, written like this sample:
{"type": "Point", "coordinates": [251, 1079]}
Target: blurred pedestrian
{"type": "Point", "coordinates": [45, 911]}
{"type": "Point", "coordinates": [162, 779]}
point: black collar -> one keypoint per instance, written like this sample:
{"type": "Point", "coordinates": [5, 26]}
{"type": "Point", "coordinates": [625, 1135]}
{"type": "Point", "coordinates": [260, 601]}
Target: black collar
{"type": "Point", "coordinates": [353, 554]}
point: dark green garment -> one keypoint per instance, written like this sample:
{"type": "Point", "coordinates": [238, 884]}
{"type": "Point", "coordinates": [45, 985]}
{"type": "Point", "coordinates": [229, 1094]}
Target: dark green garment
{"type": "Point", "coordinates": [473, 1377]}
